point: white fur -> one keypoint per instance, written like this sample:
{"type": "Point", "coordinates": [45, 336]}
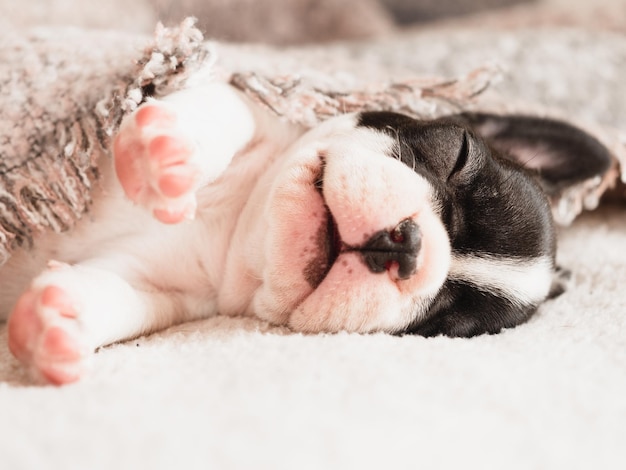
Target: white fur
{"type": "Point", "coordinates": [524, 282]}
{"type": "Point", "coordinates": [130, 274]}
{"type": "Point", "coordinates": [260, 225]}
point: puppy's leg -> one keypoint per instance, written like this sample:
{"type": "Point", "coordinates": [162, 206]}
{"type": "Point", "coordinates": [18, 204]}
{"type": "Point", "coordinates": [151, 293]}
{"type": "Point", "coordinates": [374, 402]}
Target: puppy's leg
{"type": "Point", "coordinates": [167, 149]}
{"type": "Point", "coordinates": [69, 311]}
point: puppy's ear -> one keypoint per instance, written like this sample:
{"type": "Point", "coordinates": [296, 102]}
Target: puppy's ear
{"type": "Point", "coordinates": [559, 153]}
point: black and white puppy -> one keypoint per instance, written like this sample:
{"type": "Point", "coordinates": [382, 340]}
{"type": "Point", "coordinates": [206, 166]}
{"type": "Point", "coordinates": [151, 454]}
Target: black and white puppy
{"type": "Point", "coordinates": [369, 222]}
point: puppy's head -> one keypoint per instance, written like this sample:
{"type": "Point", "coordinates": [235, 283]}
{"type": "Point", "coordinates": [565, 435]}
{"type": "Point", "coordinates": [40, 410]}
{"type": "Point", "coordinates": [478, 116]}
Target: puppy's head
{"type": "Point", "coordinates": [379, 222]}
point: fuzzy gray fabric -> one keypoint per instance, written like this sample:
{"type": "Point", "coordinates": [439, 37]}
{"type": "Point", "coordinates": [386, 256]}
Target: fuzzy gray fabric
{"type": "Point", "coordinates": [280, 21]}
{"type": "Point", "coordinates": [269, 21]}
{"type": "Point", "coordinates": [63, 94]}
{"type": "Point", "coordinates": [49, 139]}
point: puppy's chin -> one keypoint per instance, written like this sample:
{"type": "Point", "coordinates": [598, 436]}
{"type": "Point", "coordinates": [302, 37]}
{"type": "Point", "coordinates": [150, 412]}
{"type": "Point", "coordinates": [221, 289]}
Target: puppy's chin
{"type": "Point", "coordinates": [324, 206]}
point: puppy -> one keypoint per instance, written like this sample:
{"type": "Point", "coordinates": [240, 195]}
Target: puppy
{"type": "Point", "coordinates": [368, 222]}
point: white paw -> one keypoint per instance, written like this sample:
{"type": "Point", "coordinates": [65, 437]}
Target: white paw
{"type": "Point", "coordinates": [45, 333]}
{"type": "Point", "coordinates": [153, 162]}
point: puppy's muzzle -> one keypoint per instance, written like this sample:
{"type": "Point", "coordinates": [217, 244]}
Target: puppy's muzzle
{"type": "Point", "coordinates": [399, 246]}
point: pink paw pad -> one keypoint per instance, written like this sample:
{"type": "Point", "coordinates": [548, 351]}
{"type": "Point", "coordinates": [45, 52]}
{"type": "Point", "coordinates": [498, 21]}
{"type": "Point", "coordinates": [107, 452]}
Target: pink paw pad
{"type": "Point", "coordinates": [152, 162]}
{"type": "Point", "coordinates": [149, 115]}
{"type": "Point", "coordinates": [44, 335]}
{"type": "Point", "coordinates": [56, 298]}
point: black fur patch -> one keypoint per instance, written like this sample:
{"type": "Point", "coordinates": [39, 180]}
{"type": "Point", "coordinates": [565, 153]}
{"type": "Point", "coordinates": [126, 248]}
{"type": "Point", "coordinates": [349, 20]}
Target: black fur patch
{"type": "Point", "coordinates": [490, 205]}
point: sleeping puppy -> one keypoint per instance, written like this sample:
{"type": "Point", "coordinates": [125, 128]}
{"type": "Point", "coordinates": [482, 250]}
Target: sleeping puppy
{"type": "Point", "coordinates": [368, 222]}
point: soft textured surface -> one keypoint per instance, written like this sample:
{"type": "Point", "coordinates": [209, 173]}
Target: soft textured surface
{"type": "Point", "coordinates": [63, 93]}
{"type": "Point", "coordinates": [235, 393]}
{"type": "Point", "coordinates": [231, 393]}
{"type": "Point", "coordinates": [590, 14]}
{"type": "Point", "coordinates": [271, 21]}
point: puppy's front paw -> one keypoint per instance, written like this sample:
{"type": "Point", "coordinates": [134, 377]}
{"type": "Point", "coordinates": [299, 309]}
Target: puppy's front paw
{"type": "Point", "coordinates": [153, 162]}
{"type": "Point", "coordinates": [45, 334]}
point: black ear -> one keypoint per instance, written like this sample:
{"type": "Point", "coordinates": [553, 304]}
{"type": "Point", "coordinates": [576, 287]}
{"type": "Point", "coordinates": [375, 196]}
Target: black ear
{"type": "Point", "coordinates": [559, 153]}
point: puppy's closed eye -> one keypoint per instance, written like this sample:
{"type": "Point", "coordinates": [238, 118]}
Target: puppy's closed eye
{"type": "Point", "coordinates": [462, 157]}
{"type": "Point", "coordinates": [484, 170]}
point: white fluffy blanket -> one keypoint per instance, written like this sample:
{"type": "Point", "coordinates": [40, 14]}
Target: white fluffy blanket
{"type": "Point", "coordinates": [232, 393]}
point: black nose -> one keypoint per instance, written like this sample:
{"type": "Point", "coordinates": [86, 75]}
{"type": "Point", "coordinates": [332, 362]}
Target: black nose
{"type": "Point", "coordinates": [400, 245]}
